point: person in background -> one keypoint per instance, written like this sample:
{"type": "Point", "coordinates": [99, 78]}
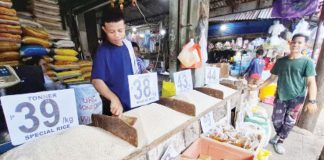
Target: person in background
{"type": "Point", "coordinates": [113, 62]}
{"type": "Point", "coordinates": [269, 65]}
{"type": "Point", "coordinates": [140, 62]}
{"type": "Point", "coordinates": [254, 71]}
{"type": "Point", "coordinates": [49, 84]}
{"type": "Point", "coordinates": [295, 74]}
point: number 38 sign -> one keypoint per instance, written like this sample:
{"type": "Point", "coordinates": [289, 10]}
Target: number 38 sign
{"type": "Point", "coordinates": [143, 89]}
{"type": "Point", "coordinates": [30, 116]}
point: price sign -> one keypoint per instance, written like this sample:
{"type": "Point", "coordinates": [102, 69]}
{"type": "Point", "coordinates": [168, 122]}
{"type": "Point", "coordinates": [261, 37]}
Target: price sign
{"type": "Point", "coordinates": [183, 81]}
{"type": "Point", "coordinates": [212, 75]}
{"type": "Point", "coordinates": [30, 116]}
{"type": "Point", "coordinates": [207, 122]}
{"type": "Point", "coordinates": [143, 89]}
{"type": "Point", "coordinates": [170, 154]}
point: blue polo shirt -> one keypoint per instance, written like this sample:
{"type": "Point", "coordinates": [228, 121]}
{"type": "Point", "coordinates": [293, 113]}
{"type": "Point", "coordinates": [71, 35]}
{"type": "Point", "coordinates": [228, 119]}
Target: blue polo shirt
{"type": "Point", "coordinates": [112, 64]}
{"type": "Point", "coordinates": [256, 67]}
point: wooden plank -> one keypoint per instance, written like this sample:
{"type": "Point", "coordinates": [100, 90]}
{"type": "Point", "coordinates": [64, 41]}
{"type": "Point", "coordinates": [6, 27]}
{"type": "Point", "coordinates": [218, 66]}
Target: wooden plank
{"type": "Point", "coordinates": [178, 105]}
{"type": "Point", "coordinates": [211, 92]}
{"type": "Point", "coordinates": [117, 127]}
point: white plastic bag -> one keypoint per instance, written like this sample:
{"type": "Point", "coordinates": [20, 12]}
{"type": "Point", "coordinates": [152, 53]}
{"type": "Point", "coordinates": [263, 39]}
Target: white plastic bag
{"type": "Point", "coordinates": [88, 102]}
{"type": "Point", "coordinates": [302, 27]}
{"type": "Point", "coordinates": [203, 45]}
{"type": "Point", "coordinates": [188, 55]}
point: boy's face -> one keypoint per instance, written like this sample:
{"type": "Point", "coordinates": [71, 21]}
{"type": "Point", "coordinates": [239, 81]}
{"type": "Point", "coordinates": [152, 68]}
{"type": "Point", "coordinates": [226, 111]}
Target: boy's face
{"type": "Point", "coordinates": [115, 32]}
{"type": "Point", "coordinates": [297, 45]}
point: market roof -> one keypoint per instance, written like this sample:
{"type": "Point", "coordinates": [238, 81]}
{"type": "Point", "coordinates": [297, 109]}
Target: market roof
{"type": "Point", "coordinates": [249, 15]}
{"type": "Point", "coordinates": [149, 8]}
{"type": "Point", "coordinates": [214, 4]}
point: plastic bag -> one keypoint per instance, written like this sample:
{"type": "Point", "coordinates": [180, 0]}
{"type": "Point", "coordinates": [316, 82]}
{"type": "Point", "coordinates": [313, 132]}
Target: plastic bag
{"type": "Point", "coordinates": [168, 89]}
{"type": "Point", "coordinates": [190, 56]}
{"type": "Point", "coordinates": [203, 44]}
{"type": "Point", "coordinates": [263, 154]}
{"type": "Point", "coordinates": [302, 27]}
{"type": "Point", "coordinates": [88, 102]}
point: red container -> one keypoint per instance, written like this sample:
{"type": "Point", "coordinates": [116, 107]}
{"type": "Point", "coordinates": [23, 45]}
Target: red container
{"type": "Point", "coordinates": [216, 150]}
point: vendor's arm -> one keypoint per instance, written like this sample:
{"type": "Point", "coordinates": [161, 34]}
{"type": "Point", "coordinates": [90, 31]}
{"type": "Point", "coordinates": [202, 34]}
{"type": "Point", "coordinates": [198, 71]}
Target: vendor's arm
{"type": "Point", "coordinates": [312, 93]}
{"type": "Point", "coordinates": [115, 106]}
{"type": "Point", "coordinates": [99, 74]}
{"type": "Point", "coordinates": [310, 73]}
{"type": "Point", "coordinates": [271, 79]}
{"type": "Point", "coordinates": [274, 75]}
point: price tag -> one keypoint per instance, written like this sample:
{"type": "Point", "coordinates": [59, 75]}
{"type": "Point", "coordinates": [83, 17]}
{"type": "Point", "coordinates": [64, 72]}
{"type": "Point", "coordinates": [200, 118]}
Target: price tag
{"type": "Point", "coordinates": [143, 89]}
{"type": "Point", "coordinates": [207, 122]}
{"type": "Point", "coordinates": [183, 81]}
{"type": "Point", "coordinates": [170, 154]}
{"type": "Point", "coordinates": [212, 75]}
{"type": "Point", "coordinates": [30, 116]}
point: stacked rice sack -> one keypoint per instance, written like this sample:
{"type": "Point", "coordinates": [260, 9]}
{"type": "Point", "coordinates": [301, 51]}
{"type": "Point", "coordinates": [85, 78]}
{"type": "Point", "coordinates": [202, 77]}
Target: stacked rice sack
{"type": "Point", "coordinates": [66, 67]}
{"type": "Point", "coordinates": [86, 68]}
{"type": "Point", "coordinates": [10, 34]}
{"type": "Point", "coordinates": [47, 13]}
{"type": "Point", "coordinates": [35, 39]}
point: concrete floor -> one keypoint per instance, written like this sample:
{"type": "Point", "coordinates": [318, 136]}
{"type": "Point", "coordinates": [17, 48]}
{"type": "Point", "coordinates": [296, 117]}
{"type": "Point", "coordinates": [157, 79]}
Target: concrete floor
{"type": "Point", "coordinates": [300, 144]}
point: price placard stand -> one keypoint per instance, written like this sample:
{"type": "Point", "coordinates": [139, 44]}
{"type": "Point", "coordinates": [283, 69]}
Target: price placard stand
{"type": "Point", "coordinates": [178, 105]}
{"type": "Point", "coordinates": [120, 127]}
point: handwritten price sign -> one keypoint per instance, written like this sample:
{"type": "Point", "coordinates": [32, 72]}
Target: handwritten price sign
{"type": "Point", "coordinates": [183, 81]}
{"type": "Point", "coordinates": [143, 89]}
{"type": "Point", "coordinates": [212, 75]}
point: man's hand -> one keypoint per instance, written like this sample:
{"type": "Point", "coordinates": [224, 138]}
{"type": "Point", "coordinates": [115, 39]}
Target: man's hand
{"type": "Point", "coordinates": [311, 107]}
{"type": "Point", "coordinates": [116, 107]}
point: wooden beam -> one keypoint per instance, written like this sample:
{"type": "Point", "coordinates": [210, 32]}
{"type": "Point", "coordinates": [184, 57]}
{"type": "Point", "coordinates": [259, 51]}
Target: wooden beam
{"type": "Point", "coordinates": [173, 34]}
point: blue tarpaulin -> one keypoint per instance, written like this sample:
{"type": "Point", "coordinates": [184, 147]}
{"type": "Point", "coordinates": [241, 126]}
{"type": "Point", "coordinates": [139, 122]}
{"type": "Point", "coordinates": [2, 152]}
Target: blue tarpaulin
{"type": "Point", "coordinates": [236, 28]}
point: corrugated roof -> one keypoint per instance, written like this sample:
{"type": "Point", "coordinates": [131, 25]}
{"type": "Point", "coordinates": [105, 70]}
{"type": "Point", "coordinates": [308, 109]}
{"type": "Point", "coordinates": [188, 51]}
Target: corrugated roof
{"type": "Point", "coordinates": [249, 15]}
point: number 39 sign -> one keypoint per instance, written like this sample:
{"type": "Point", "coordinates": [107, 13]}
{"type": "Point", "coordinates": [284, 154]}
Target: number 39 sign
{"type": "Point", "coordinates": [143, 89]}
{"type": "Point", "coordinates": [30, 116]}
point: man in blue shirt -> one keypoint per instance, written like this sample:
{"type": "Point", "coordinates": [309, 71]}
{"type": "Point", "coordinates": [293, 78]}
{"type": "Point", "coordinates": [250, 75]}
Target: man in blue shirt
{"type": "Point", "coordinates": [140, 62]}
{"type": "Point", "coordinates": [254, 71]}
{"type": "Point", "coordinates": [114, 61]}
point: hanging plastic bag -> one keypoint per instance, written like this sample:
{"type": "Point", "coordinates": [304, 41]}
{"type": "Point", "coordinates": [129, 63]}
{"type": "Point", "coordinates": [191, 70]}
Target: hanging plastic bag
{"type": "Point", "coordinates": [168, 89]}
{"type": "Point", "coordinates": [302, 27]}
{"type": "Point", "coordinates": [203, 44]}
{"type": "Point", "coordinates": [88, 102]}
{"type": "Point", "coordinates": [190, 56]}
{"type": "Point", "coordinates": [186, 57]}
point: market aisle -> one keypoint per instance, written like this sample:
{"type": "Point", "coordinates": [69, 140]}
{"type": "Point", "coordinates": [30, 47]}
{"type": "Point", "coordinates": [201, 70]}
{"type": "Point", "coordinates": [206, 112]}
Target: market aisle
{"type": "Point", "coordinates": [300, 145]}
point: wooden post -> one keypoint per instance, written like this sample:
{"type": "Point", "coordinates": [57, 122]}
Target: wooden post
{"type": "Point", "coordinates": [307, 120]}
{"type": "Point", "coordinates": [173, 35]}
